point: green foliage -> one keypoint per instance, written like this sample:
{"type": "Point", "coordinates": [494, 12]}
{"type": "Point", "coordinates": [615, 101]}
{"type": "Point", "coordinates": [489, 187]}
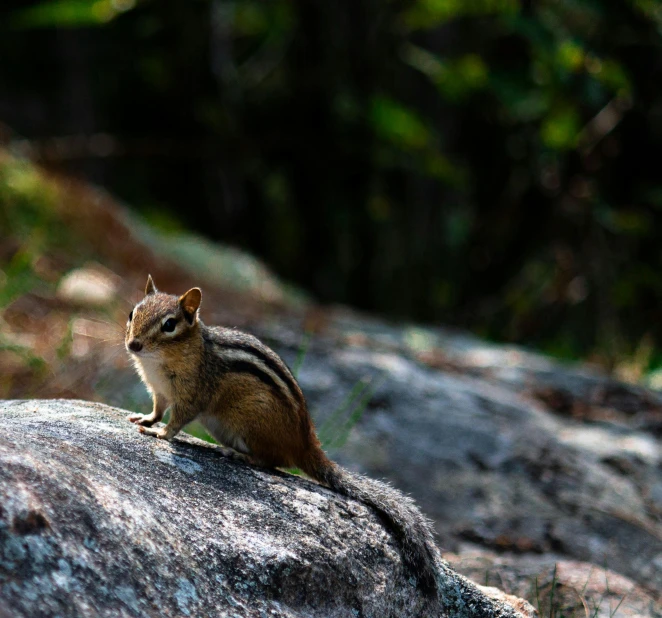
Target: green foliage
{"type": "Point", "coordinates": [426, 14]}
{"type": "Point", "coordinates": [27, 201]}
{"type": "Point", "coordinates": [401, 126]}
{"type": "Point", "coordinates": [18, 278]}
{"type": "Point", "coordinates": [560, 129]}
{"type": "Point", "coordinates": [488, 163]}
{"type": "Point", "coordinates": [70, 13]}
{"type": "Point", "coordinates": [455, 79]}
{"type": "Point", "coordinates": [27, 216]}
{"type": "Point", "coordinates": [31, 360]}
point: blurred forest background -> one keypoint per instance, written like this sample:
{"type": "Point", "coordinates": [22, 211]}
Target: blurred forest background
{"type": "Point", "coordinates": [490, 164]}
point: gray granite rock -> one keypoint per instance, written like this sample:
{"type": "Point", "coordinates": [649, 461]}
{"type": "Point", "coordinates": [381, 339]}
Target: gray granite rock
{"type": "Point", "coordinates": [490, 460]}
{"type": "Point", "coordinates": [98, 520]}
{"type": "Point", "coordinates": [561, 587]}
{"type": "Point", "coordinates": [505, 449]}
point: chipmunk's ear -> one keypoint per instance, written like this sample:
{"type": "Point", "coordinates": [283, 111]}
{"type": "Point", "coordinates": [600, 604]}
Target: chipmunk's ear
{"type": "Point", "coordinates": [190, 303]}
{"type": "Point", "coordinates": [150, 288]}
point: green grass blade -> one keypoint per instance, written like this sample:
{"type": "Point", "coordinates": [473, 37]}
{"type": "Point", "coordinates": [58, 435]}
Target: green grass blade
{"type": "Point", "coordinates": [301, 353]}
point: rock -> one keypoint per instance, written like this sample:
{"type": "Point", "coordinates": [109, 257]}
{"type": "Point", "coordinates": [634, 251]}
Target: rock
{"type": "Point", "coordinates": [574, 389]}
{"type": "Point", "coordinates": [492, 463]}
{"type": "Point", "coordinates": [90, 286]}
{"type": "Point", "coordinates": [98, 520]}
{"type": "Point", "coordinates": [579, 589]}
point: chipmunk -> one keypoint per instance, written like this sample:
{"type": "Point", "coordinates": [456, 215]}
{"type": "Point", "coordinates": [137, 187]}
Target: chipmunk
{"type": "Point", "coordinates": [246, 397]}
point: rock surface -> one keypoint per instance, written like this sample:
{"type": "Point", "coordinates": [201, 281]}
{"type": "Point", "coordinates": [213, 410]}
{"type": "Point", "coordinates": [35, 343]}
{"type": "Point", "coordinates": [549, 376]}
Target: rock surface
{"type": "Point", "coordinates": [579, 589]}
{"type": "Point", "coordinates": [504, 449]}
{"type": "Point", "coordinates": [98, 520]}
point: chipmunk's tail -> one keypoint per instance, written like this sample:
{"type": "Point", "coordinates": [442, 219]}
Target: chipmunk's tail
{"type": "Point", "coordinates": [398, 512]}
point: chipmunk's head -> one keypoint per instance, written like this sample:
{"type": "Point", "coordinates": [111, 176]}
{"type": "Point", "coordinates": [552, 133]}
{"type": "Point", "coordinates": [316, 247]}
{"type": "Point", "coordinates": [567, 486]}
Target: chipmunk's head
{"type": "Point", "coordinates": [161, 321]}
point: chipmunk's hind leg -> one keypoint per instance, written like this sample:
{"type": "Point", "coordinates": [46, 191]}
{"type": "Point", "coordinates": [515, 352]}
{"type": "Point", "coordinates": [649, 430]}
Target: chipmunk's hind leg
{"type": "Point", "coordinates": [275, 445]}
{"type": "Point", "coordinates": [230, 453]}
{"type": "Point", "coordinates": [227, 443]}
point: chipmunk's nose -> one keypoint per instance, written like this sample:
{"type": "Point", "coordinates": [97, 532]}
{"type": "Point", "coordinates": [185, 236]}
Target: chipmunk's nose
{"type": "Point", "coordinates": [135, 345]}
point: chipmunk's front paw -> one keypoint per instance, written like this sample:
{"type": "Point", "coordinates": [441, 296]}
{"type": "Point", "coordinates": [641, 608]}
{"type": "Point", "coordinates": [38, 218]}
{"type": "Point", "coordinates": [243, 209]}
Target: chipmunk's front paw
{"type": "Point", "coordinates": [146, 420]}
{"type": "Point", "coordinates": [162, 434]}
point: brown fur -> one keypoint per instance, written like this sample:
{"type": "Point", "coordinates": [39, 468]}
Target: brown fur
{"type": "Point", "coordinates": [270, 429]}
{"type": "Point", "coordinates": [247, 398]}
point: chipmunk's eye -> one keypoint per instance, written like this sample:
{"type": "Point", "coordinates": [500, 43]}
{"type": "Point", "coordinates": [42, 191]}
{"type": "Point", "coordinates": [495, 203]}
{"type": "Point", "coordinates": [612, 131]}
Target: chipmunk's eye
{"type": "Point", "coordinates": [169, 325]}
{"type": "Point", "coordinates": [131, 316]}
